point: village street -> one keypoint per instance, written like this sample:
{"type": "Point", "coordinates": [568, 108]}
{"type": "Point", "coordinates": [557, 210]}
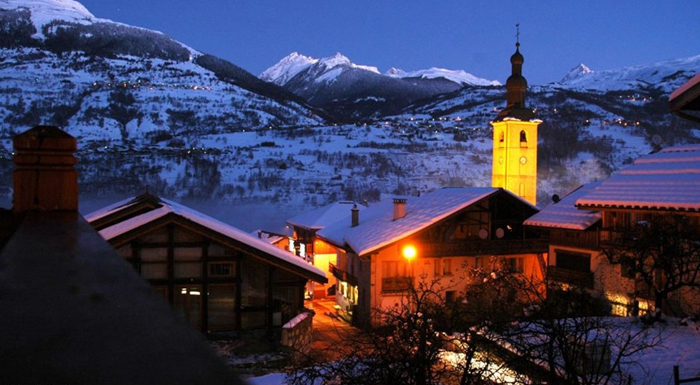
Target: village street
{"type": "Point", "coordinates": [329, 330]}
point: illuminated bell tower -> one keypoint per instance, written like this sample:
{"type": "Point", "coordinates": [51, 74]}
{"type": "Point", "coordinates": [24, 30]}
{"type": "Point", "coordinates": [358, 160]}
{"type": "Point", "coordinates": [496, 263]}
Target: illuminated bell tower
{"type": "Point", "coordinates": [515, 138]}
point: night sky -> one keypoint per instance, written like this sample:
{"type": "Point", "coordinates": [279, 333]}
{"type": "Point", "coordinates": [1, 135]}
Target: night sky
{"type": "Point", "coordinates": [475, 36]}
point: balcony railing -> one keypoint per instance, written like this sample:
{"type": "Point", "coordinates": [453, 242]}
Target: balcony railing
{"type": "Point", "coordinates": [482, 247]}
{"type": "Point", "coordinates": [574, 238]}
{"type": "Point", "coordinates": [396, 284]}
{"type": "Point", "coordinates": [572, 277]}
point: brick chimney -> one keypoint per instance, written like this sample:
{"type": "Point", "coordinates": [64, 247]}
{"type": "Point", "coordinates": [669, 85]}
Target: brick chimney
{"type": "Point", "coordinates": [355, 216]}
{"type": "Point", "coordinates": [44, 178]}
{"type": "Point", "coordinates": [399, 208]}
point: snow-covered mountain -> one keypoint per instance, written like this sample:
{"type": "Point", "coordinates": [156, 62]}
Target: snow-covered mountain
{"type": "Point", "coordinates": [101, 79]}
{"type": "Point", "coordinates": [666, 75]}
{"type": "Point", "coordinates": [577, 72]}
{"type": "Point", "coordinates": [457, 76]}
{"type": "Point", "coordinates": [152, 113]}
{"type": "Point", "coordinates": [287, 68]}
{"type": "Point", "coordinates": [361, 91]}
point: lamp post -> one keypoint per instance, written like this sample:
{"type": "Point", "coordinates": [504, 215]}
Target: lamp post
{"type": "Point", "coordinates": [409, 252]}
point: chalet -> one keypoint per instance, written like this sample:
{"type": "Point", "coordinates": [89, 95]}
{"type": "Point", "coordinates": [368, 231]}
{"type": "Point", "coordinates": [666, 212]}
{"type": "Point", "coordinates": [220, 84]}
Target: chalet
{"type": "Point", "coordinates": [73, 311]}
{"type": "Point", "coordinates": [660, 184]}
{"type": "Point", "coordinates": [219, 278]}
{"type": "Point", "coordinates": [306, 244]}
{"type": "Point", "coordinates": [389, 247]}
{"type": "Point", "coordinates": [575, 257]}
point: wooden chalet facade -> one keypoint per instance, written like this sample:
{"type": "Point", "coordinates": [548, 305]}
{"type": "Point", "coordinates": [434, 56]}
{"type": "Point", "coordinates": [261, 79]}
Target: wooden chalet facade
{"type": "Point", "coordinates": [576, 259]}
{"type": "Point", "coordinates": [452, 231]}
{"type": "Point", "coordinates": [218, 278]}
{"type": "Point", "coordinates": [662, 184]}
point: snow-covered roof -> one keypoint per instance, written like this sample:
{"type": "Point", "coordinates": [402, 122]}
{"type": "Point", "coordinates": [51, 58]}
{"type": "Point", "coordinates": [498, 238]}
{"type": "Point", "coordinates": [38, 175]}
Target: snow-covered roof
{"type": "Point", "coordinates": [324, 216]}
{"type": "Point", "coordinates": [694, 81]}
{"type": "Point", "coordinates": [686, 98]}
{"type": "Point", "coordinates": [378, 229]}
{"type": "Point", "coordinates": [565, 214]}
{"type": "Point", "coordinates": [170, 207]}
{"type": "Point", "coordinates": [666, 180]}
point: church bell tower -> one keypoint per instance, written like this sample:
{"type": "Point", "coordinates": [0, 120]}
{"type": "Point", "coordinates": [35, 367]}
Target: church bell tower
{"type": "Point", "coordinates": [515, 137]}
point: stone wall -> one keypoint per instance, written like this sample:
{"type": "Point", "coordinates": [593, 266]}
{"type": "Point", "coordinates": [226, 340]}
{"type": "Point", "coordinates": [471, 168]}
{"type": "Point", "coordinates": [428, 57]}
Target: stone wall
{"type": "Point", "coordinates": [297, 334]}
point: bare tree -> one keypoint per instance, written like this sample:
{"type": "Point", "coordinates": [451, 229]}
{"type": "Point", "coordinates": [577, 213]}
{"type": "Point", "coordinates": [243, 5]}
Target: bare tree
{"type": "Point", "coordinates": [662, 252]}
{"type": "Point", "coordinates": [571, 336]}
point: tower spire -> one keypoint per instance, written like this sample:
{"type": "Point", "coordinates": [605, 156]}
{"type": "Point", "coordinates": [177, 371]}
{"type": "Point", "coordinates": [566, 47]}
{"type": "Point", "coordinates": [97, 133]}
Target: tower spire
{"type": "Point", "coordinates": [516, 86]}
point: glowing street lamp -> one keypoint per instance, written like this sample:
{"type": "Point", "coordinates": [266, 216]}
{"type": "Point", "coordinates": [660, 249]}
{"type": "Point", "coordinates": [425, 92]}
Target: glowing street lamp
{"type": "Point", "coordinates": [409, 252]}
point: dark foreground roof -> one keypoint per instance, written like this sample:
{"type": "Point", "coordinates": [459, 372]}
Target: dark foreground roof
{"type": "Point", "coordinates": [74, 312]}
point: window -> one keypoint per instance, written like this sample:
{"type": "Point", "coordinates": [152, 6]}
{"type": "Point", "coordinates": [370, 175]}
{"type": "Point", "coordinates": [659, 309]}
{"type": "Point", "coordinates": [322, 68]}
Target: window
{"type": "Point", "coordinates": [573, 261]}
{"type": "Point", "coordinates": [221, 270]}
{"type": "Point", "coordinates": [450, 296]}
{"type": "Point", "coordinates": [514, 264]}
{"type": "Point", "coordinates": [443, 267]}
{"type": "Point", "coordinates": [395, 276]}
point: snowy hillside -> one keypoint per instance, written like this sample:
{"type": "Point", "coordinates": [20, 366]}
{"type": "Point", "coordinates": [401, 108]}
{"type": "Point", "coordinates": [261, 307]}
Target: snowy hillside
{"type": "Point", "coordinates": [45, 11]}
{"type": "Point", "coordinates": [151, 113]}
{"type": "Point", "coordinates": [667, 75]}
{"type": "Point", "coordinates": [457, 76]}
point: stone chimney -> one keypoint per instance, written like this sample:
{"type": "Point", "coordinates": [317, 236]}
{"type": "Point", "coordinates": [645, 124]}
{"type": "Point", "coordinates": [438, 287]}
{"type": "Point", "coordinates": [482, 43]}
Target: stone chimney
{"type": "Point", "coordinates": [399, 208]}
{"type": "Point", "coordinates": [44, 178]}
{"type": "Point", "coordinates": [355, 216]}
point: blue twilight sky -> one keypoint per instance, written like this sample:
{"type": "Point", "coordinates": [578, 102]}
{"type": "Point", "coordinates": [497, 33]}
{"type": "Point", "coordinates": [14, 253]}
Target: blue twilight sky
{"type": "Point", "coordinates": [477, 36]}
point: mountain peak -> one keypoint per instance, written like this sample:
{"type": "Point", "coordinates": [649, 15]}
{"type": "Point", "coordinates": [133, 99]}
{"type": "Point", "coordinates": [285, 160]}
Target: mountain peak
{"type": "Point", "coordinates": [393, 71]}
{"type": "Point", "coordinates": [287, 68]}
{"type": "Point", "coordinates": [577, 72]}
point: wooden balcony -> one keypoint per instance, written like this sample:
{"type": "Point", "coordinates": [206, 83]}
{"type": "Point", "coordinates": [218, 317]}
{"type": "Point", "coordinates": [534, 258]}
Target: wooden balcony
{"type": "Point", "coordinates": [574, 238]}
{"type": "Point", "coordinates": [467, 248]}
{"type": "Point", "coordinates": [396, 284]}
{"type": "Point", "coordinates": [571, 277]}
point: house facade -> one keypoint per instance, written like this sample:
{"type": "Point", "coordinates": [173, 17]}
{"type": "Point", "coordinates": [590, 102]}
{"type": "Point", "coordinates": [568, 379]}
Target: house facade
{"type": "Point", "coordinates": [576, 259]}
{"type": "Point", "coordinates": [217, 277]}
{"type": "Point", "coordinates": [662, 184]}
{"type": "Point", "coordinates": [440, 237]}
{"type": "Point", "coordinates": [317, 250]}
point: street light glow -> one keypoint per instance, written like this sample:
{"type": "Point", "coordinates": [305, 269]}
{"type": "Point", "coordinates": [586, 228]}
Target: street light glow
{"type": "Point", "coordinates": [409, 252]}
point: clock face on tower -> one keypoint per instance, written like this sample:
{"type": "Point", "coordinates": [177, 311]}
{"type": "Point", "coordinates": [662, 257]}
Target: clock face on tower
{"type": "Point", "coordinates": [523, 160]}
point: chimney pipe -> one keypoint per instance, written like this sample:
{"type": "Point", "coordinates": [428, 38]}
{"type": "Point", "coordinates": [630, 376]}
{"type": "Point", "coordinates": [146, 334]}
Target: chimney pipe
{"type": "Point", "coordinates": [44, 178]}
{"type": "Point", "coordinates": [355, 215]}
{"type": "Point", "coordinates": [399, 208]}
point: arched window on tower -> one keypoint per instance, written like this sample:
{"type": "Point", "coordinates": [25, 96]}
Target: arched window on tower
{"type": "Point", "coordinates": [501, 138]}
{"type": "Point", "coordinates": [523, 138]}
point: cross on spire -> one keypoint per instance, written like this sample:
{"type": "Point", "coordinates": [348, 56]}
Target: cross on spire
{"type": "Point", "coordinates": [517, 33]}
